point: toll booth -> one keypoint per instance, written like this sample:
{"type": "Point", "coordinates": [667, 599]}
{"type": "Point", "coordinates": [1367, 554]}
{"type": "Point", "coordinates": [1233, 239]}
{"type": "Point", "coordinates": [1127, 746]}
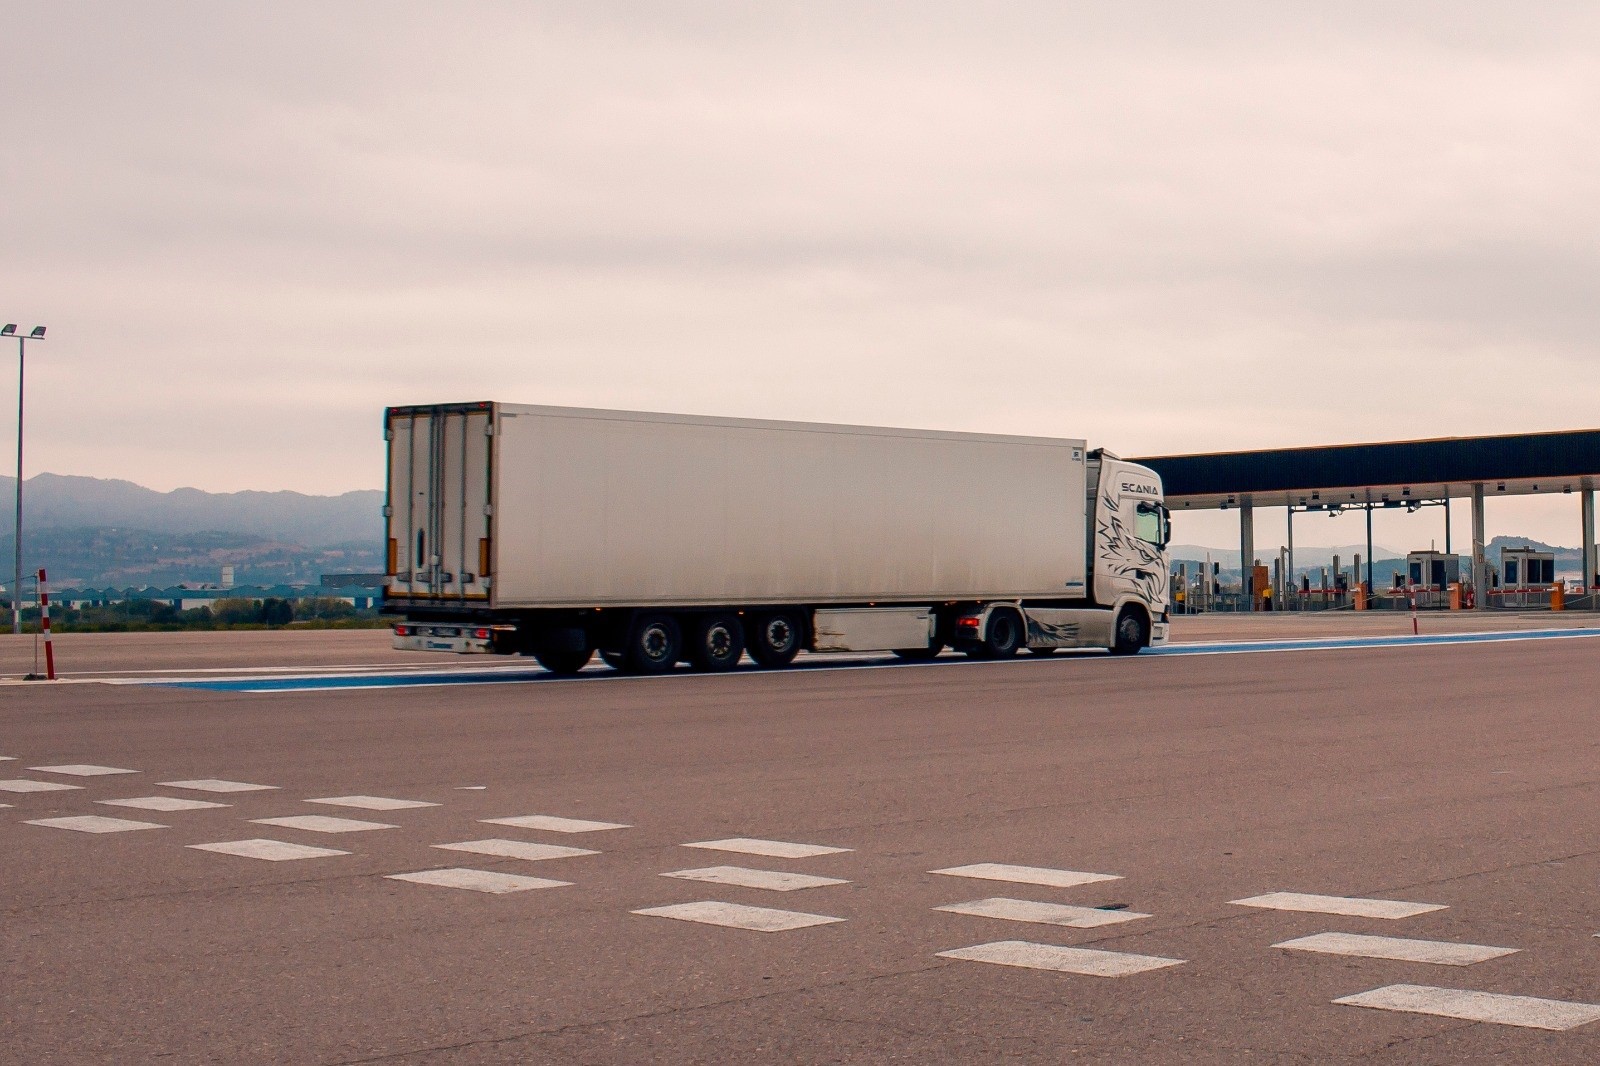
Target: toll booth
{"type": "Point", "coordinates": [1433, 570]}
{"type": "Point", "coordinates": [1525, 568]}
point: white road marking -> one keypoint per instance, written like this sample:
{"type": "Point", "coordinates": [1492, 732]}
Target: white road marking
{"type": "Point", "coordinates": [1554, 1014]}
{"type": "Point", "coordinates": [5, 804]}
{"type": "Point", "coordinates": [551, 824]}
{"type": "Point", "coordinates": [747, 878]}
{"type": "Point", "coordinates": [82, 770]}
{"type": "Point", "coordinates": [1027, 875]}
{"type": "Point", "coordinates": [739, 916]}
{"type": "Point", "coordinates": [1437, 952]}
{"type": "Point", "coordinates": [163, 803]}
{"type": "Point", "coordinates": [478, 880]}
{"type": "Point", "coordinates": [1349, 906]}
{"type": "Point", "coordinates": [1025, 910]}
{"type": "Point", "coordinates": [23, 785]}
{"type": "Point", "coordinates": [271, 850]}
{"type": "Point", "coordinates": [516, 849]}
{"type": "Point", "coordinates": [94, 823]}
{"type": "Point", "coordinates": [321, 823]}
{"type": "Point", "coordinates": [774, 849]}
{"type": "Point", "coordinates": [211, 784]}
{"type": "Point", "coordinates": [374, 803]}
{"type": "Point", "coordinates": [8, 758]}
{"type": "Point", "coordinates": [1085, 961]}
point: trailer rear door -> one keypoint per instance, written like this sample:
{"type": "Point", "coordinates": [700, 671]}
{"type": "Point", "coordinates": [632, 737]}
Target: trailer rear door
{"type": "Point", "coordinates": [439, 504]}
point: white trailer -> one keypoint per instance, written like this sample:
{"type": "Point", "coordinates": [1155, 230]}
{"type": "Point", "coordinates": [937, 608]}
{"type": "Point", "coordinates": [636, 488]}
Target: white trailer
{"type": "Point", "coordinates": [656, 538]}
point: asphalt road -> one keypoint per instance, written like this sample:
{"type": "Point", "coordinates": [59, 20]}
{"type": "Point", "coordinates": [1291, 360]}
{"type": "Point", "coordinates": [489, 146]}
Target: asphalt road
{"type": "Point", "coordinates": [1461, 776]}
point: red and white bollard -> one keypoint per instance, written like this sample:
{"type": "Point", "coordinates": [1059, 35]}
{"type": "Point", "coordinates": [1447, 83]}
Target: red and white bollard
{"type": "Point", "coordinates": [1411, 591]}
{"type": "Point", "coordinates": [44, 627]}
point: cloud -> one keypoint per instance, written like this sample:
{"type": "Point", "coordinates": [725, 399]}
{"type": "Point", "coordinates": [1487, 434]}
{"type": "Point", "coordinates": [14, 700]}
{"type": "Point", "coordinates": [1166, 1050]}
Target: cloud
{"type": "Point", "coordinates": [251, 226]}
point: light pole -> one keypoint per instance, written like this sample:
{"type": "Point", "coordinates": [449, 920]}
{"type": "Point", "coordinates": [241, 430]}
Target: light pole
{"type": "Point", "coordinates": [10, 330]}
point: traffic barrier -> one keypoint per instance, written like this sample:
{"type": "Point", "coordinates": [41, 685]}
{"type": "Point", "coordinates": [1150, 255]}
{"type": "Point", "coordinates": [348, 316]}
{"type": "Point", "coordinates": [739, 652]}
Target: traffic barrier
{"type": "Point", "coordinates": [44, 628]}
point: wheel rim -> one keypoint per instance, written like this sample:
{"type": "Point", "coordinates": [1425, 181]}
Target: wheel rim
{"type": "Point", "coordinates": [655, 643]}
{"type": "Point", "coordinates": [780, 634]}
{"type": "Point", "coordinates": [1132, 632]}
{"type": "Point", "coordinates": [719, 642]}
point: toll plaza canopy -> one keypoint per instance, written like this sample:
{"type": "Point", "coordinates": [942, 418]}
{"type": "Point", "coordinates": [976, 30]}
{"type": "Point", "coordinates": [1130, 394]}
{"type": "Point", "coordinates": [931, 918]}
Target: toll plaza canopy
{"type": "Point", "coordinates": [1397, 472]}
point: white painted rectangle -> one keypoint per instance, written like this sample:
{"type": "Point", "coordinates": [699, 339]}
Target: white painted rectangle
{"type": "Point", "coordinates": [374, 803]}
{"type": "Point", "coordinates": [1435, 952]}
{"type": "Point", "coordinates": [1027, 875]}
{"type": "Point", "coordinates": [1086, 961]}
{"type": "Point", "coordinates": [1526, 1011]}
{"type": "Point", "coordinates": [551, 824]}
{"type": "Point", "coordinates": [211, 784]}
{"type": "Point", "coordinates": [94, 823]}
{"type": "Point", "coordinates": [775, 849]}
{"type": "Point", "coordinates": [24, 785]}
{"type": "Point", "coordinates": [1349, 906]}
{"type": "Point", "coordinates": [739, 916]}
{"type": "Point", "coordinates": [270, 850]}
{"type": "Point", "coordinates": [1027, 910]}
{"type": "Point", "coordinates": [321, 823]}
{"type": "Point", "coordinates": [490, 881]}
{"type": "Point", "coordinates": [516, 849]}
{"type": "Point", "coordinates": [162, 803]}
{"type": "Point", "coordinates": [744, 877]}
{"type": "Point", "coordinates": [873, 629]}
{"type": "Point", "coordinates": [82, 770]}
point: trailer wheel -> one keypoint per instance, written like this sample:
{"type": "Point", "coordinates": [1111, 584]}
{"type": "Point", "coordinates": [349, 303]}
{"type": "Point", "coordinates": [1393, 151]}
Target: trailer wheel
{"type": "Point", "coordinates": [562, 662]}
{"type": "Point", "coordinates": [1131, 634]}
{"type": "Point", "coordinates": [655, 643]}
{"type": "Point", "coordinates": [1002, 639]}
{"type": "Point", "coordinates": [717, 644]}
{"type": "Point", "coordinates": [774, 639]}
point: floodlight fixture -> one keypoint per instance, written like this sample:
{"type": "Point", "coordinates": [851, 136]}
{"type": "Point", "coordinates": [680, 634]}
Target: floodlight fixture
{"type": "Point", "coordinates": [37, 334]}
{"type": "Point", "coordinates": [9, 330]}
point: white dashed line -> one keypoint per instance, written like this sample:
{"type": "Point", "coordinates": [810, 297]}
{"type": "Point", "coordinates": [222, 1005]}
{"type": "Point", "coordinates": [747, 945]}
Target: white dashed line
{"type": "Point", "coordinates": [211, 784]}
{"type": "Point", "coordinates": [478, 880]}
{"type": "Point", "coordinates": [94, 823]}
{"type": "Point", "coordinates": [1027, 875]}
{"type": "Point", "coordinates": [516, 849]}
{"type": "Point", "coordinates": [551, 824]}
{"type": "Point", "coordinates": [271, 850]}
{"type": "Point", "coordinates": [1024, 910]}
{"type": "Point", "coordinates": [374, 803]}
{"type": "Point", "coordinates": [744, 877]}
{"type": "Point", "coordinates": [773, 849]}
{"type": "Point", "coordinates": [1349, 906]}
{"type": "Point", "coordinates": [1554, 1014]}
{"type": "Point", "coordinates": [162, 803]}
{"type": "Point", "coordinates": [24, 785]}
{"type": "Point", "coordinates": [1085, 961]}
{"type": "Point", "coordinates": [321, 823]}
{"type": "Point", "coordinates": [1436, 952]}
{"type": "Point", "coordinates": [738, 916]}
{"type": "Point", "coordinates": [82, 770]}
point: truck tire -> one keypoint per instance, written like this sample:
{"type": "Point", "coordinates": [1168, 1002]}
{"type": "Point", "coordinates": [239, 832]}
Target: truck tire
{"type": "Point", "coordinates": [774, 639]}
{"type": "Point", "coordinates": [919, 655]}
{"type": "Point", "coordinates": [1131, 633]}
{"type": "Point", "coordinates": [655, 644]}
{"type": "Point", "coordinates": [1002, 637]}
{"type": "Point", "coordinates": [717, 643]}
{"type": "Point", "coordinates": [561, 661]}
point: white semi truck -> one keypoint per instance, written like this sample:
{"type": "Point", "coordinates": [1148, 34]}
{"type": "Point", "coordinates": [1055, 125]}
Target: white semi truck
{"type": "Point", "coordinates": [656, 539]}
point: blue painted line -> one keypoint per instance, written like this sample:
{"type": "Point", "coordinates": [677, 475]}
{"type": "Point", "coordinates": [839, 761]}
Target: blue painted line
{"type": "Point", "coordinates": [314, 683]}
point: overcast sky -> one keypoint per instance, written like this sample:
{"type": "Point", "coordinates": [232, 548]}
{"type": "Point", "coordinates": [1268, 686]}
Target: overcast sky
{"type": "Point", "coordinates": [1164, 227]}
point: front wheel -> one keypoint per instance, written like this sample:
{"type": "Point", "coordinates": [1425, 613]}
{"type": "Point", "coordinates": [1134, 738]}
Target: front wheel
{"type": "Point", "coordinates": [1131, 633]}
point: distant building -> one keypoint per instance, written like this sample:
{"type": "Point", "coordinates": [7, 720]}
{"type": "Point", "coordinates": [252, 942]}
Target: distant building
{"type": "Point", "coordinates": [371, 581]}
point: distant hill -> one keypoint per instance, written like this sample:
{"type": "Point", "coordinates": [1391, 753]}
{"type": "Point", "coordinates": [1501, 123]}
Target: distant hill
{"type": "Point", "coordinates": [100, 557]}
{"type": "Point", "coordinates": [66, 502]}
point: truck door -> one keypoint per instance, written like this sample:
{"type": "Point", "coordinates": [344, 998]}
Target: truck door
{"type": "Point", "coordinates": [438, 509]}
{"type": "Point", "coordinates": [1132, 528]}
